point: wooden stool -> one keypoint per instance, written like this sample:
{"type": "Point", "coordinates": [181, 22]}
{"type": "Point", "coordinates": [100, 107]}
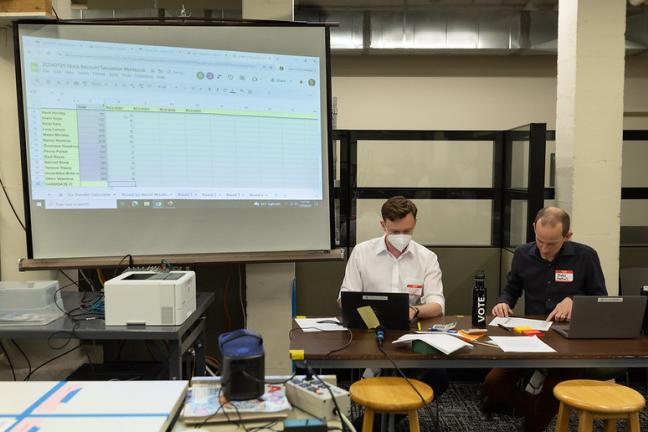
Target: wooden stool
{"type": "Point", "coordinates": [597, 399]}
{"type": "Point", "coordinates": [390, 395]}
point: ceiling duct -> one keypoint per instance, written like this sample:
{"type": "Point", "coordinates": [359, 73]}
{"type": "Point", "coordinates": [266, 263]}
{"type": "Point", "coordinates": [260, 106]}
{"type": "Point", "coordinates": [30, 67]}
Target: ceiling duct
{"type": "Point", "coordinates": [483, 27]}
{"type": "Point", "coordinates": [489, 31]}
{"type": "Point", "coordinates": [446, 31]}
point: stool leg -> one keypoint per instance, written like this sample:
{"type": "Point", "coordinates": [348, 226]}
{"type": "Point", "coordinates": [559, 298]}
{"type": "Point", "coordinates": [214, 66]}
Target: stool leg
{"type": "Point", "coordinates": [585, 421]}
{"type": "Point", "coordinates": [633, 422]}
{"type": "Point", "coordinates": [610, 425]}
{"type": "Point", "coordinates": [413, 418]}
{"type": "Point", "coordinates": [562, 421]}
{"type": "Point", "coordinates": [368, 420]}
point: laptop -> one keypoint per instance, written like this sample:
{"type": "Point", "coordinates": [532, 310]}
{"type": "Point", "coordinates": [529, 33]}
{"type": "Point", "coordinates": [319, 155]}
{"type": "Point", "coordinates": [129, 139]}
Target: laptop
{"type": "Point", "coordinates": [604, 318]}
{"type": "Point", "coordinates": [391, 309]}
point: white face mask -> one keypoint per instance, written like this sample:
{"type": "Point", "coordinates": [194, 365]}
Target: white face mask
{"type": "Point", "coordinates": [399, 241]}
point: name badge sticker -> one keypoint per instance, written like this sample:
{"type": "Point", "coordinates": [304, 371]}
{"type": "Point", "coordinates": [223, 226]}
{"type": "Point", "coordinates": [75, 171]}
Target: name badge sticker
{"type": "Point", "coordinates": [564, 276]}
{"type": "Point", "coordinates": [414, 287]}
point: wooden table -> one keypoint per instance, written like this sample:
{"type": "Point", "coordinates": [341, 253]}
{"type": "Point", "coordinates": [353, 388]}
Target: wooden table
{"type": "Point", "coordinates": [362, 352]}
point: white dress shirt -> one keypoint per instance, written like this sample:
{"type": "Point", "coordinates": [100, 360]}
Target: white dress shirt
{"type": "Point", "coordinates": [371, 267]}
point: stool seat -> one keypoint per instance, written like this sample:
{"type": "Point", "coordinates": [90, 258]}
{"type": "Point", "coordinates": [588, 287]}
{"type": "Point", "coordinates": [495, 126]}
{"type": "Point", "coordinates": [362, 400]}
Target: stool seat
{"type": "Point", "coordinates": [597, 399]}
{"type": "Point", "coordinates": [390, 394]}
{"type": "Point", "coordinates": [599, 396]}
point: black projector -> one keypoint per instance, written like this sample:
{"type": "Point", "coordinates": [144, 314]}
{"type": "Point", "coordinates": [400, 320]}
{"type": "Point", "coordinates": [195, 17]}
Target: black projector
{"type": "Point", "coordinates": [243, 365]}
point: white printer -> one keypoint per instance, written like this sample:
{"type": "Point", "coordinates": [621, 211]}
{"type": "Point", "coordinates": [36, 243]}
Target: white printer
{"type": "Point", "coordinates": [150, 298]}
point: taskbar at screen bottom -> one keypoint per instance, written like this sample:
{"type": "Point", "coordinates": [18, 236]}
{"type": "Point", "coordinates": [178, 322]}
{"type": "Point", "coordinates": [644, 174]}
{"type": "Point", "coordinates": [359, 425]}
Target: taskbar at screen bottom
{"type": "Point", "coordinates": [169, 204]}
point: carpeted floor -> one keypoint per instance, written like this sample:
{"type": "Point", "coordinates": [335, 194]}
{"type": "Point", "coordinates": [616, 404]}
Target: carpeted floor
{"type": "Point", "coordinates": [459, 412]}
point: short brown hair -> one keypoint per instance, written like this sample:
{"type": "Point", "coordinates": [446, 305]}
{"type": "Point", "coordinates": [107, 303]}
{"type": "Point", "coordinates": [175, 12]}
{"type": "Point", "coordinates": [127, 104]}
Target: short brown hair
{"type": "Point", "coordinates": [553, 216]}
{"type": "Point", "coordinates": [397, 208]}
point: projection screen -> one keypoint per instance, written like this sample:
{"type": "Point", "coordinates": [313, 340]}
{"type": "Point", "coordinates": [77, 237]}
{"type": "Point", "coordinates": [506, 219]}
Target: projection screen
{"type": "Point", "coordinates": [170, 139]}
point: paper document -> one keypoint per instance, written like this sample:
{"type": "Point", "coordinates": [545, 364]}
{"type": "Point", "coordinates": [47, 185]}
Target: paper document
{"type": "Point", "coordinates": [521, 344]}
{"type": "Point", "coordinates": [319, 324]}
{"type": "Point", "coordinates": [541, 325]}
{"type": "Point", "coordinates": [443, 342]}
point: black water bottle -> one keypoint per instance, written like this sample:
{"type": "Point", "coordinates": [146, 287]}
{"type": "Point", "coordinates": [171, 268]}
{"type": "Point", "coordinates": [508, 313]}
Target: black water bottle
{"type": "Point", "coordinates": [479, 301]}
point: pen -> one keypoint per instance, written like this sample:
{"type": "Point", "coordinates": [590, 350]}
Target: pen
{"type": "Point", "coordinates": [418, 324]}
{"type": "Point", "coordinates": [505, 328]}
{"type": "Point", "coordinates": [433, 330]}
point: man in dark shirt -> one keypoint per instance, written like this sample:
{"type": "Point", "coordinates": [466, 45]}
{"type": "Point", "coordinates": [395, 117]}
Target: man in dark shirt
{"type": "Point", "coordinates": [549, 271]}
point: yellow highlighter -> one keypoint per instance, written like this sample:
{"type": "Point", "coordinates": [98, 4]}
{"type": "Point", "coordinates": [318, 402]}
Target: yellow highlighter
{"type": "Point", "coordinates": [521, 329]}
{"type": "Point", "coordinates": [418, 325]}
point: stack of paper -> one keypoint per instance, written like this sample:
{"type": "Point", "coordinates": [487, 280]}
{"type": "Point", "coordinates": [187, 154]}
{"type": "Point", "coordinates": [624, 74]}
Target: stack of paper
{"type": "Point", "coordinates": [521, 322]}
{"type": "Point", "coordinates": [28, 319]}
{"type": "Point", "coordinates": [319, 324]}
{"type": "Point", "coordinates": [443, 342]}
{"type": "Point", "coordinates": [521, 344]}
{"type": "Point", "coordinates": [205, 403]}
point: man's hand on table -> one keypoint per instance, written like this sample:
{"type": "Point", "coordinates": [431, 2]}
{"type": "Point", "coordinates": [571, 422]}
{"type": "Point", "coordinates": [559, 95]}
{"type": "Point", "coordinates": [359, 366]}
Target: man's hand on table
{"type": "Point", "coordinates": [562, 311]}
{"type": "Point", "coordinates": [502, 310]}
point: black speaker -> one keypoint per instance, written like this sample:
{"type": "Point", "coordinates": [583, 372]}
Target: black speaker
{"type": "Point", "coordinates": [243, 365]}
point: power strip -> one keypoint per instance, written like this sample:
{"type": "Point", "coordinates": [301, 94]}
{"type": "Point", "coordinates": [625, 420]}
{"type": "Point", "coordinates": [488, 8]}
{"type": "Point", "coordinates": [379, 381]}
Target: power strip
{"type": "Point", "coordinates": [153, 268]}
{"type": "Point", "coordinates": [312, 397]}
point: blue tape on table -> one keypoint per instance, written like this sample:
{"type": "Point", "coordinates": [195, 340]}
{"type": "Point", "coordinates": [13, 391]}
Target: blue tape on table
{"type": "Point", "coordinates": [99, 415]}
{"type": "Point", "coordinates": [30, 409]}
{"type": "Point", "coordinates": [29, 412]}
{"type": "Point", "coordinates": [70, 395]}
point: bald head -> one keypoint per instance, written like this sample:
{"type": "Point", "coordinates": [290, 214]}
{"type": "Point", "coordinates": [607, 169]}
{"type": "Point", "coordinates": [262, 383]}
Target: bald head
{"type": "Point", "coordinates": [552, 217]}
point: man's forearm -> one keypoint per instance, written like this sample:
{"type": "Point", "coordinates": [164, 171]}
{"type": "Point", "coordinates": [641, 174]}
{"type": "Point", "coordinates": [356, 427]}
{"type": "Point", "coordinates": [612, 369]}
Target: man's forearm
{"type": "Point", "coordinates": [507, 297]}
{"type": "Point", "coordinates": [429, 310]}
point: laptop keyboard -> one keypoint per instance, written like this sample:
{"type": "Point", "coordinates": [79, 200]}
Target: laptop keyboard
{"type": "Point", "coordinates": [562, 329]}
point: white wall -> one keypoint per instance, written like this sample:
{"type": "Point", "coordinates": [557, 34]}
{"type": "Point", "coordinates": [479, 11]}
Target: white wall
{"type": "Point", "coordinates": [462, 93]}
{"type": "Point", "coordinates": [455, 92]}
{"type": "Point", "coordinates": [439, 222]}
{"type": "Point", "coordinates": [443, 103]}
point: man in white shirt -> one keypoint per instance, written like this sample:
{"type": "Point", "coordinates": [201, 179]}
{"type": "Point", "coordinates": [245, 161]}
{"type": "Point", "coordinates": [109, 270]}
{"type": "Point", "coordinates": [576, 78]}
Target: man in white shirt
{"type": "Point", "coordinates": [396, 263]}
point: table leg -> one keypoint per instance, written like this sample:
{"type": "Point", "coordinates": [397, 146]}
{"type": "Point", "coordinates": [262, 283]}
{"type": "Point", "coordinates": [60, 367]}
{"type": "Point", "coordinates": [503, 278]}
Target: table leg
{"type": "Point", "coordinates": [175, 360]}
{"type": "Point", "coordinates": [199, 348]}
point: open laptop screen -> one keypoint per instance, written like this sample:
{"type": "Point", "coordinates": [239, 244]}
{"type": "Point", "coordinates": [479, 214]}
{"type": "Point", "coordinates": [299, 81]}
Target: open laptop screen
{"type": "Point", "coordinates": [605, 317]}
{"type": "Point", "coordinates": [390, 308]}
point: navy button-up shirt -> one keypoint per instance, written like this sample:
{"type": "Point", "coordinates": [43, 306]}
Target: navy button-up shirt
{"type": "Point", "coordinates": [576, 270]}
